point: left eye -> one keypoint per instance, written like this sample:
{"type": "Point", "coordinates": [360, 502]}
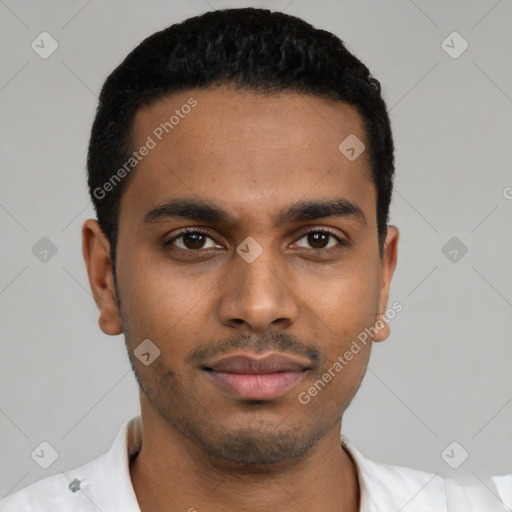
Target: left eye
{"type": "Point", "coordinates": [319, 237]}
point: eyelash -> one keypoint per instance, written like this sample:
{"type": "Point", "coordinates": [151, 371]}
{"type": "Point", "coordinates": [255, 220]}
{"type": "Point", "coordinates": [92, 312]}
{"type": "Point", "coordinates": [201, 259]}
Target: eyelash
{"type": "Point", "coordinates": [186, 231]}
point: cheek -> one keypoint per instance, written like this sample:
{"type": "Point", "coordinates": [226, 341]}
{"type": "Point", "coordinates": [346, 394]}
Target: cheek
{"type": "Point", "coordinates": [158, 302]}
{"type": "Point", "coordinates": [347, 308]}
{"type": "Point", "coordinates": [346, 301]}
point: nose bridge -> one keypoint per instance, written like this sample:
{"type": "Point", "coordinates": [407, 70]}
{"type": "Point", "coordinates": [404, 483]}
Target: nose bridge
{"type": "Point", "coordinates": [256, 292]}
{"type": "Point", "coordinates": [259, 276]}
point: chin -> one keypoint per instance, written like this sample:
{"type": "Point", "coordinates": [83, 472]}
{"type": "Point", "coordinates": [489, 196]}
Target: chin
{"type": "Point", "coordinates": [258, 447]}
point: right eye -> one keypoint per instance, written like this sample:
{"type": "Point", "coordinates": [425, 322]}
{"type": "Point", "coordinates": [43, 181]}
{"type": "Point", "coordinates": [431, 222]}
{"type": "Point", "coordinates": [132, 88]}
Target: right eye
{"type": "Point", "coordinates": [192, 240]}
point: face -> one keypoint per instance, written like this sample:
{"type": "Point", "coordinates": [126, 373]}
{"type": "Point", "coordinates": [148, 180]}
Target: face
{"type": "Point", "coordinates": [248, 254]}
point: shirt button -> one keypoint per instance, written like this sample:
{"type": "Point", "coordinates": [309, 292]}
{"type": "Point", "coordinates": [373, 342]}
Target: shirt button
{"type": "Point", "coordinates": [74, 485]}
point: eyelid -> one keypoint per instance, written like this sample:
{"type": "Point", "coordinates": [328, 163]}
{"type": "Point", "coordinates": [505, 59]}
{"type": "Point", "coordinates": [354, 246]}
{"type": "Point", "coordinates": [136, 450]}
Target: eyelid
{"type": "Point", "coordinates": [186, 230]}
{"type": "Point", "coordinates": [331, 231]}
{"type": "Point", "coordinates": [342, 241]}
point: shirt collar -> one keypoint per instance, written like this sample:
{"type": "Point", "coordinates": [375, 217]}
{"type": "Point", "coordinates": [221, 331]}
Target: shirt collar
{"type": "Point", "coordinates": [387, 487]}
{"type": "Point", "coordinates": [110, 486]}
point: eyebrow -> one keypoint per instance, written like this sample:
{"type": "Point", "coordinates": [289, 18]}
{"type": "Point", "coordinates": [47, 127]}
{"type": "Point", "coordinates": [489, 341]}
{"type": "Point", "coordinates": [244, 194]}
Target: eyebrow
{"type": "Point", "coordinates": [207, 211]}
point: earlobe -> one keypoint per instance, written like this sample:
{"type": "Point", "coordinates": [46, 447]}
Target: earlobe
{"type": "Point", "coordinates": [388, 265]}
{"type": "Point", "coordinates": [96, 253]}
{"type": "Point", "coordinates": [382, 328]}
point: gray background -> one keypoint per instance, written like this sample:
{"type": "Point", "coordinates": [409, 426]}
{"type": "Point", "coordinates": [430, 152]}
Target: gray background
{"type": "Point", "coordinates": [443, 375]}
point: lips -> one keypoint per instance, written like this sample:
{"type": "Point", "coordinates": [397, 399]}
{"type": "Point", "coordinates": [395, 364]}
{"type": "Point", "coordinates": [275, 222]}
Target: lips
{"type": "Point", "coordinates": [256, 376]}
{"type": "Point", "coordinates": [257, 364]}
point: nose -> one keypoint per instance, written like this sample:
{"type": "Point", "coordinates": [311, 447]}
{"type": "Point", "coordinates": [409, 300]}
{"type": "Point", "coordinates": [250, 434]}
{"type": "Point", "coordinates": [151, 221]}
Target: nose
{"type": "Point", "coordinates": [259, 295]}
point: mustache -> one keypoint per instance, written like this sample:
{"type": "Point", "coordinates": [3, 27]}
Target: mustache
{"type": "Point", "coordinates": [268, 341]}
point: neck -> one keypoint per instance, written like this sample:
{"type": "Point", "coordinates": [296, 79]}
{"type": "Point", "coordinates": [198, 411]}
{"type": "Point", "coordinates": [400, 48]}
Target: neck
{"type": "Point", "coordinates": [172, 473]}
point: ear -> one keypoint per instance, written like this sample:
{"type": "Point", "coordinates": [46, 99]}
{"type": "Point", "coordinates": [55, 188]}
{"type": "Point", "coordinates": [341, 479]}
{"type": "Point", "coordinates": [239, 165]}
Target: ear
{"type": "Point", "coordinates": [96, 252]}
{"type": "Point", "coordinates": [388, 264]}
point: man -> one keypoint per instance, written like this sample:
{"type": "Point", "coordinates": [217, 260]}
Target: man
{"type": "Point", "coordinates": [241, 167]}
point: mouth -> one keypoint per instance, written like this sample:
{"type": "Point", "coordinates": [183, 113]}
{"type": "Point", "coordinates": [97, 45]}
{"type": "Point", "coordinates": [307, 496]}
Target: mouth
{"type": "Point", "coordinates": [256, 376]}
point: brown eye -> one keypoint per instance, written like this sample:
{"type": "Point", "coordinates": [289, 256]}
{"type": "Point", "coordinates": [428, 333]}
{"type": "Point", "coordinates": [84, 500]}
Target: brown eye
{"type": "Point", "coordinates": [320, 239]}
{"type": "Point", "coordinates": [190, 240]}
{"type": "Point", "coordinates": [193, 240]}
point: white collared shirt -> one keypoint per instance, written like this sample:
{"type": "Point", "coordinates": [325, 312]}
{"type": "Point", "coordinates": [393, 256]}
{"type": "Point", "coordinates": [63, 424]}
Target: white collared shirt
{"type": "Point", "coordinates": [503, 485]}
{"type": "Point", "coordinates": [104, 485]}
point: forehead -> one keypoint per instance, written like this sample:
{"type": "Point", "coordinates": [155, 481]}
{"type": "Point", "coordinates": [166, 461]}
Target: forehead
{"type": "Point", "coordinates": [248, 149]}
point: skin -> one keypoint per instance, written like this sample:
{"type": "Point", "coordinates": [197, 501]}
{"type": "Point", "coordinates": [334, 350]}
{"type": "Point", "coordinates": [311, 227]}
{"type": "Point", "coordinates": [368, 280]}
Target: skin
{"type": "Point", "coordinates": [253, 155]}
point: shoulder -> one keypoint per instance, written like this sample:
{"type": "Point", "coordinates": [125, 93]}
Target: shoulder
{"type": "Point", "coordinates": [88, 487]}
{"type": "Point", "coordinates": [389, 487]}
{"type": "Point", "coordinates": [470, 495]}
{"type": "Point", "coordinates": [57, 493]}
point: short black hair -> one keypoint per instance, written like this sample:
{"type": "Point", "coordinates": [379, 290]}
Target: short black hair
{"type": "Point", "coordinates": [251, 49]}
